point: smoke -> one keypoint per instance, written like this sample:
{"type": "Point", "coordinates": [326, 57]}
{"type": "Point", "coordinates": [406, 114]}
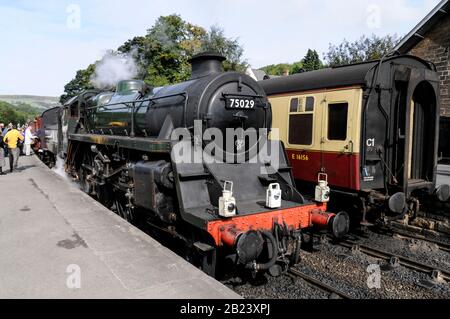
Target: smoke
{"type": "Point", "coordinates": [60, 169]}
{"type": "Point", "coordinates": [113, 68]}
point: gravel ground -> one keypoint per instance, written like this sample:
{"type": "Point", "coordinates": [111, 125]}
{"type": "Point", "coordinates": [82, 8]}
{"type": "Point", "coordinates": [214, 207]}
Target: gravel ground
{"type": "Point", "coordinates": [416, 249]}
{"type": "Point", "coordinates": [347, 270]}
{"type": "Point", "coordinates": [283, 287]}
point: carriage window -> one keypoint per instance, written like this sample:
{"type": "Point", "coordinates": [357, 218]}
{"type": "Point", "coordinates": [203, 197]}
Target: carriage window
{"type": "Point", "coordinates": [300, 129]}
{"type": "Point", "coordinates": [309, 107]}
{"type": "Point", "coordinates": [337, 121]}
{"type": "Point", "coordinates": [294, 105]}
{"type": "Point", "coordinates": [301, 121]}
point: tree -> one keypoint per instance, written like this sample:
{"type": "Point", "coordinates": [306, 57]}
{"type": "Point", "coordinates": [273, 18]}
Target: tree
{"type": "Point", "coordinates": [21, 113]}
{"type": "Point", "coordinates": [361, 50]}
{"type": "Point", "coordinates": [297, 67]}
{"type": "Point", "coordinates": [162, 55]}
{"type": "Point", "coordinates": [215, 41]}
{"type": "Point", "coordinates": [311, 61]}
{"type": "Point", "coordinates": [164, 52]}
{"type": "Point", "coordinates": [81, 82]}
{"type": "Point", "coordinates": [277, 69]}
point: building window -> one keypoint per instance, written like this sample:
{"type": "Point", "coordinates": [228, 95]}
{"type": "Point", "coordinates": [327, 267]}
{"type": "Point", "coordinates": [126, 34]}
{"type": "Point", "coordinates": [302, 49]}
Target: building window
{"type": "Point", "coordinates": [337, 121]}
{"type": "Point", "coordinates": [300, 129]}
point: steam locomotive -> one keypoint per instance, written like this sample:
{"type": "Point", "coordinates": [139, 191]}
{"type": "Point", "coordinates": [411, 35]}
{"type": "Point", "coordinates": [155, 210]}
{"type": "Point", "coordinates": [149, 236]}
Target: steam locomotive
{"type": "Point", "coordinates": [193, 161]}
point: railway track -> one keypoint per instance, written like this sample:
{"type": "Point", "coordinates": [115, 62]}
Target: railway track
{"type": "Point", "coordinates": [317, 283]}
{"type": "Point", "coordinates": [401, 234]}
{"type": "Point", "coordinates": [397, 260]}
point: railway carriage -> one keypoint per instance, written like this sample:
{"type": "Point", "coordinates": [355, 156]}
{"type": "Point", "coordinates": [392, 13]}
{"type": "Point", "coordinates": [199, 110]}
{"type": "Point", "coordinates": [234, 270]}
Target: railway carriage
{"type": "Point", "coordinates": [372, 128]}
{"type": "Point", "coordinates": [48, 135]}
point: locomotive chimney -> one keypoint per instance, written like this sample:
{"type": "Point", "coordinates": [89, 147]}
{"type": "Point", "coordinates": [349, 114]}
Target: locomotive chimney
{"type": "Point", "coordinates": [207, 63]}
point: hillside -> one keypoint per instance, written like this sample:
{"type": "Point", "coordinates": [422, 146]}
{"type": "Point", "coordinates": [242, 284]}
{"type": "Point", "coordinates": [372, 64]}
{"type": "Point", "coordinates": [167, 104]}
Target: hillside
{"type": "Point", "coordinates": [40, 102]}
{"type": "Point", "coordinates": [17, 113]}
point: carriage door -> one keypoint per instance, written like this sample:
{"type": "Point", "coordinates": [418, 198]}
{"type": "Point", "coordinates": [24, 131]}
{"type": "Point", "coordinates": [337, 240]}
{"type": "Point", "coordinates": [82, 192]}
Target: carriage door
{"type": "Point", "coordinates": [340, 158]}
{"type": "Point", "coordinates": [422, 134]}
{"type": "Point", "coordinates": [400, 131]}
{"type": "Point", "coordinates": [414, 130]}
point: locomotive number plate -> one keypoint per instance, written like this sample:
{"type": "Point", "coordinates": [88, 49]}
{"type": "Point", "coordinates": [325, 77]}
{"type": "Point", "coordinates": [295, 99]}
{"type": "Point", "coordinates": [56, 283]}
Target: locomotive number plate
{"type": "Point", "coordinates": [240, 103]}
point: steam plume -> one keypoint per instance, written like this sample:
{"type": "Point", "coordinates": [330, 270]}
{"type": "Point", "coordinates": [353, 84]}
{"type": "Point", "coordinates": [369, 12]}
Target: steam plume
{"type": "Point", "coordinates": [113, 68]}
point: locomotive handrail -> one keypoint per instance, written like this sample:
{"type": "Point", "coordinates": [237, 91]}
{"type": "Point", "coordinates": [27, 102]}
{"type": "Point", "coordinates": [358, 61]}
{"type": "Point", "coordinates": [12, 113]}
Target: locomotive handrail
{"type": "Point", "coordinates": [243, 95]}
{"type": "Point", "coordinates": [137, 101]}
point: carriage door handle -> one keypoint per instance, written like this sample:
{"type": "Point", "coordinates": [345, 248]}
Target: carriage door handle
{"type": "Point", "coordinates": [349, 148]}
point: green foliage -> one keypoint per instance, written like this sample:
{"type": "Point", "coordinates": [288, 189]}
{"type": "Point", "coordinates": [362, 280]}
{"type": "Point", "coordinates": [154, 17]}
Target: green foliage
{"type": "Point", "coordinates": [297, 67]}
{"type": "Point", "coordinates": [80, 83]}
{"type": "Point", "coordinates": [310, 62]}
{"type": "Point", "coordinates": [27, 109]}
{"type": "Point", "coordinates": [15, 114]}
{"type": "Point", "coordinates": [364, 49]}
{"type": "Point", "coordinates": [162, 54]}
{"type": "Point", "coordinates": [277, 69]}
{"type": "Point", "coordinates": [215, 41]}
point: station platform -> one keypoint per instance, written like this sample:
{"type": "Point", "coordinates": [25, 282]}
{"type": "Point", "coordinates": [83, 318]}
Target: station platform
{"type": "Point", "coordinates": [57, 242]}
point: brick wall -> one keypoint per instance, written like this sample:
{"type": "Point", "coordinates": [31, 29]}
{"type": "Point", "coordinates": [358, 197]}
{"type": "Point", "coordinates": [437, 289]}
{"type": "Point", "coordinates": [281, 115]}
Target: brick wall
{"type": "Point", "coordinates": [435, 47]}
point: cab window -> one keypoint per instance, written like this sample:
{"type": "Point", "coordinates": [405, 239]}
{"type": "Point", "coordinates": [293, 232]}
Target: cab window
{"type": "Point", "coordinates": [74, 109]}
{"type": "Point", "coordinates": [337, 121]}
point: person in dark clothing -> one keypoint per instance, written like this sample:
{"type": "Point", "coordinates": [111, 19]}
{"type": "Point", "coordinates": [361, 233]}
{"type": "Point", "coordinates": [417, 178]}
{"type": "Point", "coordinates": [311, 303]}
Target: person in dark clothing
{"type": "Point", "coordinates": [2, 152]}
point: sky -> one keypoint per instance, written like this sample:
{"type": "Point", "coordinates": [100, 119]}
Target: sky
{"type": "Point", "coordinates": [44, 43]}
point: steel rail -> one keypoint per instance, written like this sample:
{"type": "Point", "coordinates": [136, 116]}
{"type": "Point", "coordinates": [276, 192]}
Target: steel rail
{"type": "Point", "coordinates": [402, 234]}
{"type": "Point", "coordinates": [403, 261]}
{"type": "Point", "coordinates": [319, 284]}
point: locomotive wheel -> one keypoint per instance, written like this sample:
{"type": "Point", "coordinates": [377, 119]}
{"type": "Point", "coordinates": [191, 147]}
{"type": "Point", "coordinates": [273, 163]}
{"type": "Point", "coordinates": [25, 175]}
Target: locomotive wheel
{"type": "Point", "coordinates": [122, 209]}
{"type": "Point", "coordinates": [104, 196]}
{"type": "Point", "coordinates": [83, 174]}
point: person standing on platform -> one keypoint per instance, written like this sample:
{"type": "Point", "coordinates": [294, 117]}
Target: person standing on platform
{"type": "Point", "coordinates": [5, 131]}
{"type": "Point", "coordinates": [28, 140]}
{"type": "Point", "coordinates": [11, 138]}
{"type": "Point", "coordinates": [2, 150]}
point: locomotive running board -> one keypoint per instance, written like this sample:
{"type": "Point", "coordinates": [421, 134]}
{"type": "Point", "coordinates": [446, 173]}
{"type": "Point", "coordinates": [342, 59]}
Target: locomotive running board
{"type": "Point", "coordinates": [135, 143]}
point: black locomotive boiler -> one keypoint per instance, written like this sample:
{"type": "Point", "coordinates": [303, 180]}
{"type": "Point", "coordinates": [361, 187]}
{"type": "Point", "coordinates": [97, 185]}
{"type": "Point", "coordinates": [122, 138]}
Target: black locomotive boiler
{"type": "Point", "coordinates": [236, 202]}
